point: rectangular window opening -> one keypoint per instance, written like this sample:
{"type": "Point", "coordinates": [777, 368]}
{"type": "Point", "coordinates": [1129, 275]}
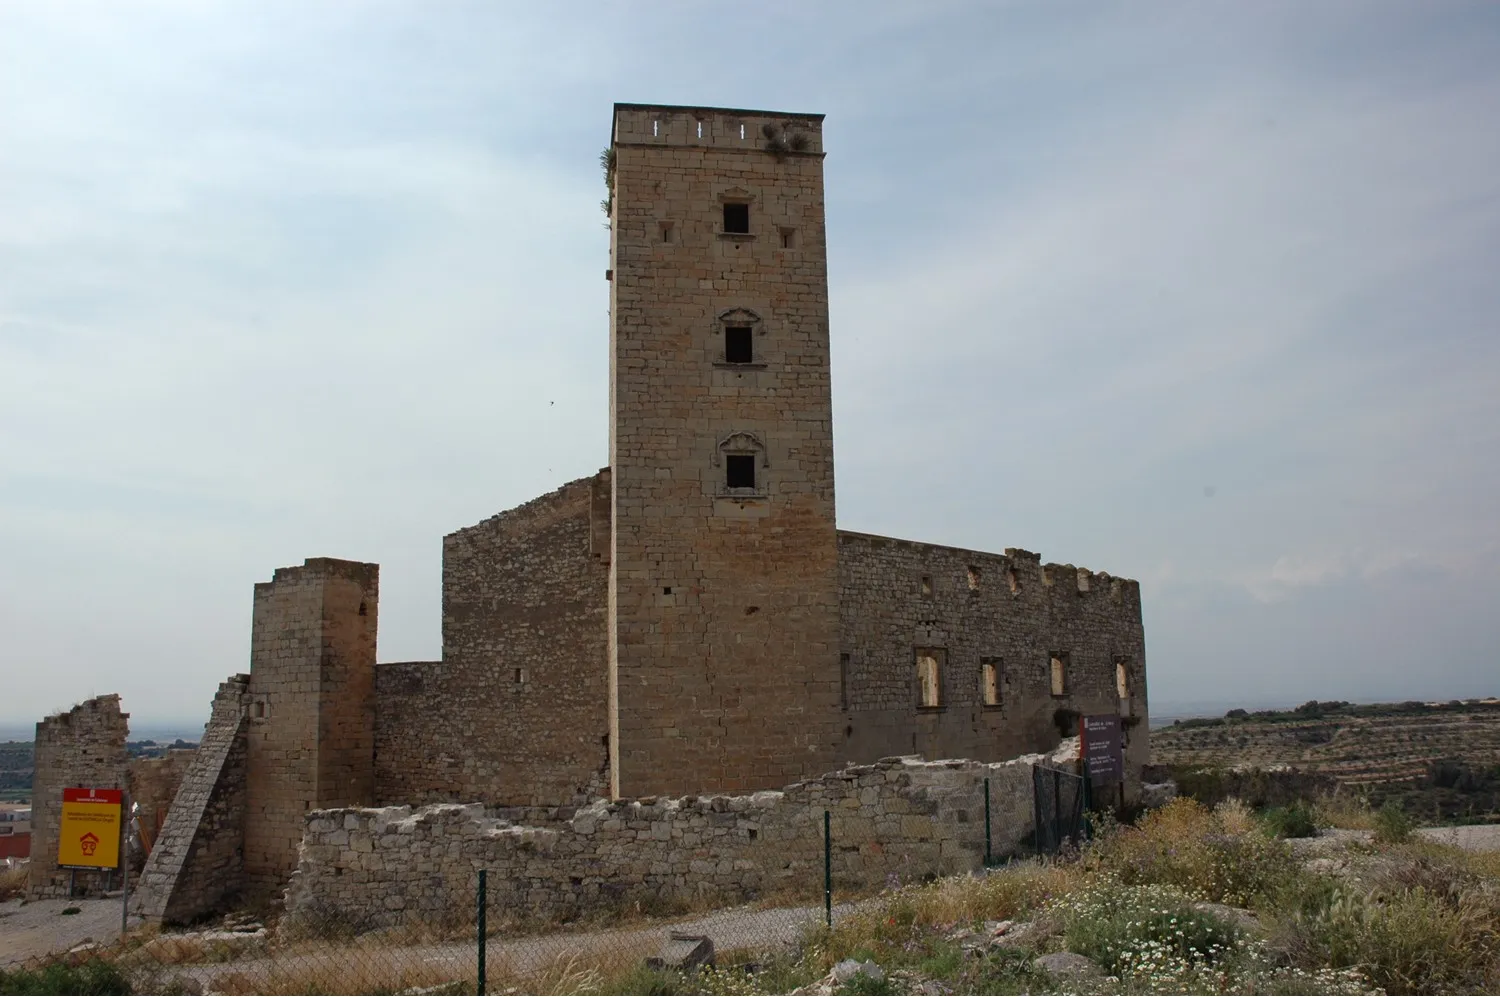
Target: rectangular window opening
{"type": "Point", "coordinates": [929, 678]}
{"type": "Point", "coordinates": [788, 238]}
{"type": "Point", "coordinates": [1010, 578]}
{"type": "Point", "coordinates": [700, 129]}
{"type": "Point", "coordinates": [739, 346]}
{"type": "Point", "coordinates": [844, 682]}
{"type": "Point", "coordinates": [1059, 674]}
{"type": "Point", "coordinates": [668, 232]}
{"type": "Point", "coordinates": [926, 585]}
{"type": "Point", "coordinates": [737, 218]}
{"type": "Point", "coordinates": [973, 579]}
{"type": "Point", "coordinates": [989, 681]}
{"type": "Point", "coordinates": [520, 676]}
{"type": "Point", "coordinates": [1122, 679]}
{"type": "Point", "coordinates": [740, 471]}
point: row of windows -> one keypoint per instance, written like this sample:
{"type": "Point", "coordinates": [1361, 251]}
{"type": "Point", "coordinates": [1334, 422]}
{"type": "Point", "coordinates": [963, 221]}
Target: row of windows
{"type": "Point", "coordinates": [931, 661]}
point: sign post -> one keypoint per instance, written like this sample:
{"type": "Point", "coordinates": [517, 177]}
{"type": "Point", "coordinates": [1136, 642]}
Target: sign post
{"type": "Point", "coordinates": [1103, 744]}
{"type": "Point", "coordinates": [88, 834]}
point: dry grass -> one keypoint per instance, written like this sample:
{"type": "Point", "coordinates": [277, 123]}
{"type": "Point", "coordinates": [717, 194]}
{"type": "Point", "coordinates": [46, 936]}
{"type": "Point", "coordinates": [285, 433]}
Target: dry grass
{"type": "Point", "coordinates": [1345, 811]}
{"type": "Point", "coordinates": [12, 882]}
{"type": "Point", "coordinates": [1235, 816]}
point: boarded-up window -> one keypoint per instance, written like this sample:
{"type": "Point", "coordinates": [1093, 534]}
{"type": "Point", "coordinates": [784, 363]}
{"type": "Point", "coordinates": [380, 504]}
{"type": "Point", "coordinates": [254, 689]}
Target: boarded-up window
{"type": "Point", "coordinates": [929, 677]}
{"type": "Point", "coordinates": [1122, 679]}
{"type": "Point", "coordinates": [1059, 674]}
{"type": "Point", "coordinates": [989, 681]}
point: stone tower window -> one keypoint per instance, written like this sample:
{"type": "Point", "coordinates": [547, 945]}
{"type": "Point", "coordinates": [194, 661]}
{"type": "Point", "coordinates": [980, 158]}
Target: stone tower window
{"type": "Point", "coordinates": [989, 681]}
{"type": "Point", "coordinates": [737, 217]}
{"type": "Point", "coordinates": [737, 329]}
{"type": "Point", "coordinates": [1059, 673]}
{"type": "Point", "coordinates": [740, 473]}
{"type": "Point", "coordinates": [929, 677]}
{"type": "Point", "coordinates": [1122, 678]}
{"type": "Point", "coordinates": [742, 455]}
{"type": "Point", "coordinates": [739, 344]}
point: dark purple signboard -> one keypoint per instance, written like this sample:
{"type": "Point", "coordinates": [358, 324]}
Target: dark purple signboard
{"type": "Point", "coordinates": [1103, 747]}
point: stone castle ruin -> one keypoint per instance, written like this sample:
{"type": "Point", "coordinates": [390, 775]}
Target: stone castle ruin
{"type": "Point", "coordinates": [687, 622]}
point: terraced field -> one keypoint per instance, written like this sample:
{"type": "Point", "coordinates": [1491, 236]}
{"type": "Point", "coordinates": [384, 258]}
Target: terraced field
{"type": "Point", "coordinates": [1442, 756]}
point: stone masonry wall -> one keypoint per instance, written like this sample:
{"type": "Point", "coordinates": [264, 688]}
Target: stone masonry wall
{"type": "Point", "coordinates": [515, 713]}
{"type": "Point", "coordinates": [153, 785]}
{"type": "Point", "coordinates": [901, 818]}
{"type": "Point", "coordinates": [897, 596]}
{"type": "Point", "coordinates": [198, 859]}
{"type": "Point", "coordinates": [82, 747]}
{"type": "Point", "coordinates": [311, 707]}
{"type": "Point", "coordinates": [724, 602]}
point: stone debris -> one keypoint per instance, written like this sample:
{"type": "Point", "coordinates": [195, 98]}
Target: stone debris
{"type": "Point", "coordinates": [683, 952]}
{"type": "Point", "coordinates": [850, 968]}
{"type": "Point", "coordinates": [1069, 966]}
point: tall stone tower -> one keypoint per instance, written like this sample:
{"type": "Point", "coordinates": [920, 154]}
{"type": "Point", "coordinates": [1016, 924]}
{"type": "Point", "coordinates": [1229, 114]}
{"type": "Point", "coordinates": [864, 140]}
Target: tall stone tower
{"type": "Point", "coordinates": [723, 592]}
{"type": "Point", "coordinates": [311, 707]}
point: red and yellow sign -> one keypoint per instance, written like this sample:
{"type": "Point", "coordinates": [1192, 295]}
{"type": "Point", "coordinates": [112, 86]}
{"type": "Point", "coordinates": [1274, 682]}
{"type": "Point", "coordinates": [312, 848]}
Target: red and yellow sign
{"type": "Point", "coordinates": [88, 835]}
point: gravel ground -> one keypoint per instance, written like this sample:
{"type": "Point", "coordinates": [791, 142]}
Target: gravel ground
{"type": "Point", "coordinates": [1470, 837]}
{"type": "Point", "coordinates": [31, 930]}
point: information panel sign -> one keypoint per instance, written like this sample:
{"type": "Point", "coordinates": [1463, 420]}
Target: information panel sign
{"type": "Point", "coordinates": [1103, 747]}
{"type": "Point", "coordinates": [88, 835]}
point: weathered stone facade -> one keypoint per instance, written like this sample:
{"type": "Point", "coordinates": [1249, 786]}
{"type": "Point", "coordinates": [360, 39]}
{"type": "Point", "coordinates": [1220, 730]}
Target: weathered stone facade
{"type": "Point", "coordinates": [902, 819]}
{"type": "Point", "coordinates": [516, 710]}
{"type": "Point", "coordinates": [689, 619]}
{"type": "Point", "coordinates": [84, 747]}
{"type": "Point", "coordinates": [723, 589]}
{"type": "Point", "coordinates": [311, 705]}
{"type": "Point", "coordinates": [1010, 613]}
{"type": "Point", "coordinates": [197, 862]}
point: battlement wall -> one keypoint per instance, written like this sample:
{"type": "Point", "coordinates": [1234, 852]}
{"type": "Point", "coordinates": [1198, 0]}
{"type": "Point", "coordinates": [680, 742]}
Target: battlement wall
{"type": "Point", "coordinates": [970, 609]}
{"type": "Point", "coordinates": [711, 127]}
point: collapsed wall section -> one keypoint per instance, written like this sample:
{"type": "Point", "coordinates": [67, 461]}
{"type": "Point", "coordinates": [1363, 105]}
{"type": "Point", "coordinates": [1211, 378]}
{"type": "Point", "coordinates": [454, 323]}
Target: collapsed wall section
{"type": "Point", "coordinates": [515, 713]}
{"type": "Point", "coordinates": [902, 819]}
{"type": "Point", "coordinates": [84, 747]}
{"type": "Point", "coordinates": [197, 860]}
{"type": "Point", "coordinates": [1016, 651]}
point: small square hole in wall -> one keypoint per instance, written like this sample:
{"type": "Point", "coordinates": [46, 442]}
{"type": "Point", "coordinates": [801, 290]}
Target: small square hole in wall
{"type": "Point", "coordinates": [740, 470]}
{"type": "Point", "coordinates": [666, 590]}
{"type": "Point", "coordinates": [737, 218]}
{"type": "Point", "coordinates": [925, 585]}
{"type": "Point", "coordinates": [788, 238]}
{"type": "Point", "coordinates": [739, 344]}
{"type": "Point", "coordinates": [520, 676]}
{"type": "Point", "coordinates": [668, 232]}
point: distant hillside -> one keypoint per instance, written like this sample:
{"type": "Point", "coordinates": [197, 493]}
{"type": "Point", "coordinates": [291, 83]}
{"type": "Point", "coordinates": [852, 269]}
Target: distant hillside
{"type": "Point", "coordinates": [1442, 758]}
{"type": "Point", "coordinates": [17, 765]}
{"type": "Point", "coordinates": [15, 770]}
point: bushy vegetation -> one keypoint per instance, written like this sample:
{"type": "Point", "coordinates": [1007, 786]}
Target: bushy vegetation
{"type": "Point", "coordinates": [95, 976]}
{"type": "Point", "coordinates": [1295, 820]}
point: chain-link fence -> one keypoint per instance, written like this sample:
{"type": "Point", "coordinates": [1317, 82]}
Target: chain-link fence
{"type": "Point", "coordinates": [447, 920]}
{"type": "Point", "coordinates": [1061, 803]}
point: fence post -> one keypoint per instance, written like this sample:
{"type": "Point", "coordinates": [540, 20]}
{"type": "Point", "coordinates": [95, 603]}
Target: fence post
{"type": "Point", "coordinates": [827, 869]}
{"type": "Point", "coordinates": [483, 885]}
{"type": "Point", "coordinates": [987, 858]}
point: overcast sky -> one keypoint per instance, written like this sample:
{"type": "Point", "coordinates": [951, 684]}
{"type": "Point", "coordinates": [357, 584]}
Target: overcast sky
{"type": "Point", "coordinates": [1203, 294]}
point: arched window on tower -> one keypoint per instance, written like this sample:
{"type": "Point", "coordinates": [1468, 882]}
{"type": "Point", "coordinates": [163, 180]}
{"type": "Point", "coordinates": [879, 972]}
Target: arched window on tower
{"type": "Point", "coordinates": [742, 458]}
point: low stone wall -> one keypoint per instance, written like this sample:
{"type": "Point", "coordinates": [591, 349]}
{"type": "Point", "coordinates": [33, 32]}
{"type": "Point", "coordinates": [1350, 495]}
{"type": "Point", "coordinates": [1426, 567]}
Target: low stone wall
{"type": "Point", "coordinates": [900, 819]}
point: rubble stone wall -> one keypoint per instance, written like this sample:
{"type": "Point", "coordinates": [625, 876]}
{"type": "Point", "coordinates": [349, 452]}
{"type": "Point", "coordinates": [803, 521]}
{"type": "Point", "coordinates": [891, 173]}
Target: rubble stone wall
{"type": "Point", "coordinates": [84, 747]}
{"type": "Point", "coordinates": [153, 786]}
{"type": "Point", "coordinates": [901, 818]}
